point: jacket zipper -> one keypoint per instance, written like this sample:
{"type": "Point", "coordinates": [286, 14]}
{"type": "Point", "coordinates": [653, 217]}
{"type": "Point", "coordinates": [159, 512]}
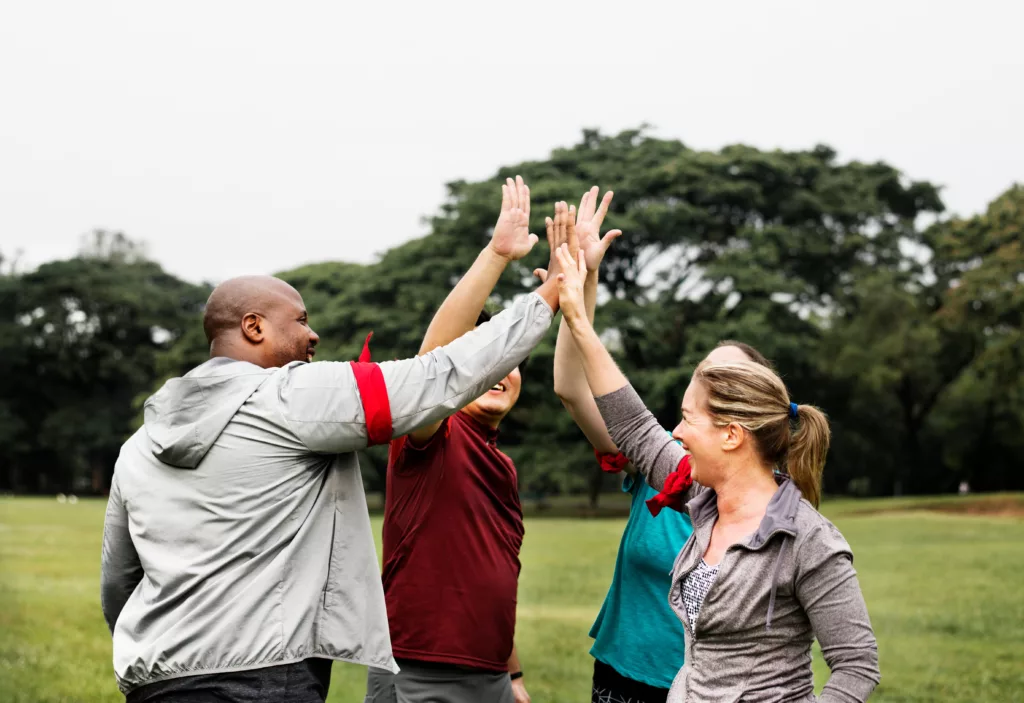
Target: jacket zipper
{"type": "Point", "coordinates": [693, 626]}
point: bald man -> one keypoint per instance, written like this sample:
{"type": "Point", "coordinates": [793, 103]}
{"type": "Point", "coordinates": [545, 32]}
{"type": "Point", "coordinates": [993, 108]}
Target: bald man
{"type": "Point", "coordinates": [238, 559]}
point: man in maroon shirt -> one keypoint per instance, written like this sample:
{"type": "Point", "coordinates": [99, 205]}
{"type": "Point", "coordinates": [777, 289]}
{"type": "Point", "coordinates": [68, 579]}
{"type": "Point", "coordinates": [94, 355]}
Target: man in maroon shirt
{"type": "Point", "coordinates": [453, 525]}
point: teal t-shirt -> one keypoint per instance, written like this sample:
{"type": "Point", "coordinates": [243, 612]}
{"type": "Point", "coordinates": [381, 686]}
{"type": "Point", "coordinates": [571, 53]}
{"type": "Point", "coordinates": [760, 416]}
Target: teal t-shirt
{"type": "Point", "coordinates": [636, 633]}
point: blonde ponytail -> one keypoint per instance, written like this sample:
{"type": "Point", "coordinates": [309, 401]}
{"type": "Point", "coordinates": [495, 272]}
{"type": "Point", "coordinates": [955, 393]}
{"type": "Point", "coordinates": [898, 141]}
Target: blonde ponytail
{"type": "Point", "coordinates": [808, 447]}
{"type": "Point", "coordinates": [754, 397]}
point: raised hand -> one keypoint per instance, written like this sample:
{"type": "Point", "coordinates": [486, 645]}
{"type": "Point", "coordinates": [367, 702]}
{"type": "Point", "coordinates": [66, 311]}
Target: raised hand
{"type": "Point", "coordinates": [589, 219]}
{"type": "Point", "coordinates": [512, 239]}
{"type": "Point", "coordinates": [560, 230]}
{"type": "Point", "coordinates": [570, 279]}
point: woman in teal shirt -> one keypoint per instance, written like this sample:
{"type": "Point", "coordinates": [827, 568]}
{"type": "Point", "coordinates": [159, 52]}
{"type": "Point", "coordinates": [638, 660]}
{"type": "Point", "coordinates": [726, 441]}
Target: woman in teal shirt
{"type": "Point", "coordinates": [638, 640]}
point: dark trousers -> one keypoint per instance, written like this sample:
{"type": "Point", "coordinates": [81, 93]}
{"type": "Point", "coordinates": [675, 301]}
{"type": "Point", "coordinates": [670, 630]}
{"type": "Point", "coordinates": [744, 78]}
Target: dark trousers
{"type": "Point", "coordinates": [612, 687]}
{"type": "Point", "coordinates": [302, 682]}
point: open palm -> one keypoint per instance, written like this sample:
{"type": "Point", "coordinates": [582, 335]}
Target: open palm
{"type": "Point", "coordinates": [589, 219]}
{"type": "Point", "coordinates": [512, 239]}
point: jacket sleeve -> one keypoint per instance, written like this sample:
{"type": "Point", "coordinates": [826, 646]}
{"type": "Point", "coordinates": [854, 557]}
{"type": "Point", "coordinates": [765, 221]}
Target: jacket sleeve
{"type": "Point", "coordinates": [638, 435]}
{"type": "Point", "coordinates": [827, 588]}
{"type": "Point", "coordinates": [329, 409]}
{"type": "Point", "coordinates": [120, 568]}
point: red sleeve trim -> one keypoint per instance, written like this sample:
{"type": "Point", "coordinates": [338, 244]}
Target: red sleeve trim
{"type": "Point", "coordinates": [676, 485]}
{"type": "Point", "coordinates": [374, 395]}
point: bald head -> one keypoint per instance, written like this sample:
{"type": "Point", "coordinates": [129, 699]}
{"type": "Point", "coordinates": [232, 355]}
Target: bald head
{"type": "Point", "coordinates": [260, 319]}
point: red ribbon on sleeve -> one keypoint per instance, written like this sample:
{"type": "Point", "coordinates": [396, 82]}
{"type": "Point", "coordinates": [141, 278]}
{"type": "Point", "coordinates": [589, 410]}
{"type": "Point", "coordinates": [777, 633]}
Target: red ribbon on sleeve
{"type": "Point", "coordinates": [374, 395]}
{"type": "Point", "coordinates": [611, 463]}
{"type": "Point", "coordinates": [676, 485]}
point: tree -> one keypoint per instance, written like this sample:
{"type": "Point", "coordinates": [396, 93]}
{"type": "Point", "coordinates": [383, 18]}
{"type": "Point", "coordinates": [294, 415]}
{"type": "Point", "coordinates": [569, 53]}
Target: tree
{"type": "Point", "coordinates": [767, 247]}
{"type": "Point", "coordinates": [84, 335]}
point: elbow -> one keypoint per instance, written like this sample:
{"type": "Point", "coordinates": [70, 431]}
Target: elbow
{"type": "Point", "coordinates": [566, 393]}
{"type": "Point", "coordinates": [110, 610]}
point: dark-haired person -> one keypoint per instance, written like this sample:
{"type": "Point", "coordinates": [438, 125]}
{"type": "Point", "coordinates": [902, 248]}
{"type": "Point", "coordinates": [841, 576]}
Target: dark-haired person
{"type": "Point", "coordinates": [764, 573]}
{"type": "Point", "coordinates": [453, 528]}
{"type": "Point", "coordinates": [638, 641]}
{"type": "Point", "coordinates": [238, 557]}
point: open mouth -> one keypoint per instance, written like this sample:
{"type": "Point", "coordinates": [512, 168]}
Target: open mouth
{"type": "Point", "coordinates": [498, 388]}
{"type": "Point", "coordinates": [310, 353]}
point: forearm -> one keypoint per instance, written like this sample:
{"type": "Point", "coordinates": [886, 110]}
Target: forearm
{"type": "Point", "coordinates": [602, 373]}
{"type": "Point", "coordinates": [431, 387]}
{"type": "Point", "coordinates": [514, 667]}
{"type": "Point", "coordinates": [571, 381]}
{"type": "Point", "coordinates": [459, 311]}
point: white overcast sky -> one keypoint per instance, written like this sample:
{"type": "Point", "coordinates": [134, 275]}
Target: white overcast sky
{"type": "Point", "coordinates": [249, 137]}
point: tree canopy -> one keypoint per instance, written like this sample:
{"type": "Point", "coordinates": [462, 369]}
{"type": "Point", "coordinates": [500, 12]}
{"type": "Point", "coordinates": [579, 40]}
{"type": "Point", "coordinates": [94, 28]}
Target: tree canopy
{"type": "Point", "coordinates": [904, 325]}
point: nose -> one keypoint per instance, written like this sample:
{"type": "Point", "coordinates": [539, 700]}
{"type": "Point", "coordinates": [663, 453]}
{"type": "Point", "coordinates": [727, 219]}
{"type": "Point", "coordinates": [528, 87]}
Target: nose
{"type": "Point", "coordinates": [677, 433]}
{"type": "Point", "coordinates": [314, 338]}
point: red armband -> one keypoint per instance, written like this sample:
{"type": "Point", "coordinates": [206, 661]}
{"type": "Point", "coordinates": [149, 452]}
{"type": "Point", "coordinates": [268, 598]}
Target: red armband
{"type": "Point", "coordinates": [374, 395]}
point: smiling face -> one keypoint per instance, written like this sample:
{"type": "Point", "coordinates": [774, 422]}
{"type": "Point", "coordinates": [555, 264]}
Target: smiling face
{"type": "Point", "coordinates": [288, 334]}
{"type": "Point", "coordinates": [492, 407]}
{"type": "Point", "coordinates": [698, 434]}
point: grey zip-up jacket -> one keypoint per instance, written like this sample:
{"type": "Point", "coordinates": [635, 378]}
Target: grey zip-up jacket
{"type": "Point", "coordinates": [237, 534]}
{"type": "Point", "coordinates": [792, 581]}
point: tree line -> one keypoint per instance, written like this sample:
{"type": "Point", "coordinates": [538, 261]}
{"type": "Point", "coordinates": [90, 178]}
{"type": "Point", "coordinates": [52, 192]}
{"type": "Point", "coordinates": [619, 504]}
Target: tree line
{"type": "Point", "coordinates": [902, 323]}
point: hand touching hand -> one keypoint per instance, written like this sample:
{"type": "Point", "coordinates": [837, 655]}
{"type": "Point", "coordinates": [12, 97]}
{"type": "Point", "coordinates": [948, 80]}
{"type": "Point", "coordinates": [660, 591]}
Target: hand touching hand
{"type": "Point", "coordinates": [589, 219]}
{"type": "Point", "coordinates": [512, 239]}
{"type": "Point", "coordinates": [561, 230]}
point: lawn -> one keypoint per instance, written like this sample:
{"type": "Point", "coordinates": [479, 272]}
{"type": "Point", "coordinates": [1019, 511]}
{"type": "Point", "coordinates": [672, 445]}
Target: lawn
{"type": "Point", "coordinates": [945, 591]}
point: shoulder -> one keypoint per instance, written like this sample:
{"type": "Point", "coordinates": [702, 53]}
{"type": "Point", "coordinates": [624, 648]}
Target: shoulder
{"type": "Point", "coordinates": [817, 538]}
{"type": "Point", "coordinates": [406, 449]}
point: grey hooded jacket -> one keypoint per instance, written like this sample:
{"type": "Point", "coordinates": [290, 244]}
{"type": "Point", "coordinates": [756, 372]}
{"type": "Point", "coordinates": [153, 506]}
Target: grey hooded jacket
{"type": "Point", "coordinates": [792, 581]}
{"type": "Point", "coordinates": [237, 534]}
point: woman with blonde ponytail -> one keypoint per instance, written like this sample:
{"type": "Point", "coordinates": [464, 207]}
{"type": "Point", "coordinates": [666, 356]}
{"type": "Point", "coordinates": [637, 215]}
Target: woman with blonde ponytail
{"type": "Point", "coordinates": [764, 573]}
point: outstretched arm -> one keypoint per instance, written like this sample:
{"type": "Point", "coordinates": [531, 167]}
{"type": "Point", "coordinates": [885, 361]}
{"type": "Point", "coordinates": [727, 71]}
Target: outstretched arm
{"type": "Point", "coordinates": [632, 427]}
{"type": "Point", "coordinates": [459, 311]}
{"type": "Point", "coordinates": [341, 407]}
{"type": "Point", "coordinates": [570, 379]}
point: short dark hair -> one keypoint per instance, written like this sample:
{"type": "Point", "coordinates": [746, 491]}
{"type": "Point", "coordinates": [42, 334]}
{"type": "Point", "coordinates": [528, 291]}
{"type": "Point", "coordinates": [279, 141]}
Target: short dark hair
{"type": "Point", "coordinates": [752, 354]}
{"type": "Point", "coordinates": [485, 316]}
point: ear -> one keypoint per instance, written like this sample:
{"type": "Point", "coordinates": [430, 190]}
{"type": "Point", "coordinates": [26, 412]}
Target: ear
{"type": "Point", "coordinates": [253, 327]}
{"type": "Point", "coordinates": [734, 437]}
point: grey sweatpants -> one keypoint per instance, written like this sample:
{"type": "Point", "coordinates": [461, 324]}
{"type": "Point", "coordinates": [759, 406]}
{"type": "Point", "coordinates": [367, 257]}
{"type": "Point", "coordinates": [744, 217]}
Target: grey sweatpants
{"type": "Point", "coordinates": [427, 684]}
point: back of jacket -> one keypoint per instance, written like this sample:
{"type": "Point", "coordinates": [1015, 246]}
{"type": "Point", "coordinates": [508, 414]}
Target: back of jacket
{"type": "Point", "coordinates": [237, 534]}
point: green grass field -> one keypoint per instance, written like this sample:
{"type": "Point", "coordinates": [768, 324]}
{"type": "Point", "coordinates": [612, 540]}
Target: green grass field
{"type": "Point", "coordinates": [945, 591]}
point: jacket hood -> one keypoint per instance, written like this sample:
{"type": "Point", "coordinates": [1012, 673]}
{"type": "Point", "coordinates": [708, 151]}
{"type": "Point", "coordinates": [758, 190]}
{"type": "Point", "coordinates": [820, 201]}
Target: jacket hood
{"type": "Point", "coordinates": [185, 417]}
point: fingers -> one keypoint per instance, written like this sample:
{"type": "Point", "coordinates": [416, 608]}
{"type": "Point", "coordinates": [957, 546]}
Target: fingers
{"type": "Point", "coordinates": [580, 214]}
{"type": "Point", "coordinates": [591, 204]}
{"type": "Point", "coordinates": [533, 239]}
{"type": "Point", "coordinates": [570, 232]}
{"type": "Point", "coordinates": [542, 274]}
{"type": "Point", "coordinates": [581, 264]}
{"type": "Point", "coordinates": [603, 210]}
{"type": "Point", "coordinates": [524, 199]}
{"type": "Point", "coordinates": [559, 228]}
{"type": "Point", "coordinates": [506, 203]}
{"type": "Point", "coordinates": [565, 260]}
{"type": "Point", "coordinates": [609, 237]}
{"type": "Point", "coordinates": [513, 194]}
{"type": "Point", "coordinates": [549, 225]}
